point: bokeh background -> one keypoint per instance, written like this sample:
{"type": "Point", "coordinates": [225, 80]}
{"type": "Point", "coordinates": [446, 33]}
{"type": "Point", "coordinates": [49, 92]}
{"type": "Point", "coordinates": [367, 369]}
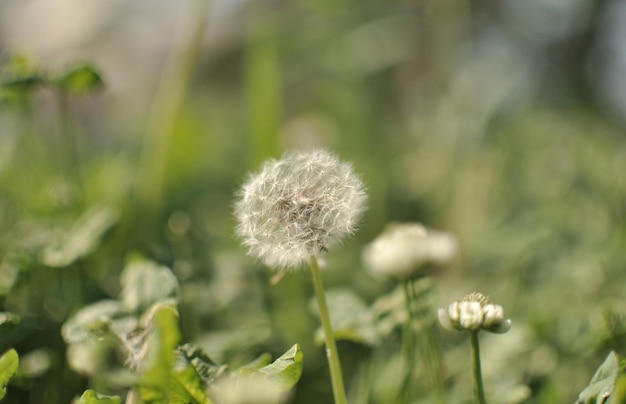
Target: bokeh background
{"type": "Point", "coordinates": [501, 122]}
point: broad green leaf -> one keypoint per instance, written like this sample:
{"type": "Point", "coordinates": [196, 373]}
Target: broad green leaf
{"type": "Point", "coordinates": [618, 396]}
{"type": "Point", "coordinates": [8, 366]}
{"type": "Point", "coordinates": [188, 380]}
{"type": "Point", "coordinates": [269, 384]}
{"type": "Point", "coordinates": [90, 320]}
{"type": "Point", "coordinates": [91, 397]}
{"type": "Point", "coordinates": [602, 382]}
{"type": "Point", "coordinates": [350, 317]}
{"type": "Point", "coordinates": [145, 283]}
{"type": "Point", "coordinates": [82, 238]}
{"type": "Point", "coordinates": [157, 383]}
{"type": "Point", "coordinates": [193, 371]}
{"type": "Point", "coordinates": [259, 362]}
{"type": "Point", "coordinates": [286, 370]}
{"type": "Point", "coordinates": [249, 389]}
{"type": "Point", "coordinates": [81, 79]}
{"type": "Point", "coordinates": [202, 364]}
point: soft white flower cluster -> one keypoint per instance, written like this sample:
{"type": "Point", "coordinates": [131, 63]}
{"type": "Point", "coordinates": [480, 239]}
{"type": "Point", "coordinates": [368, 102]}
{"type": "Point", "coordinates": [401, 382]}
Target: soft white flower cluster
{"type": "Point", "coordinates": [404, 248]}
{"type": "Point", "coordinates": [298, 206]}
{"type": "Point", "coordinates": [474, 312]}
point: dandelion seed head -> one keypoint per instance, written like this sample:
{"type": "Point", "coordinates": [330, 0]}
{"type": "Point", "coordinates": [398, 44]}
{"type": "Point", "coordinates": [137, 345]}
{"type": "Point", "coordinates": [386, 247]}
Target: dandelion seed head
{"type": "Point", "coordinates": [298, 206]}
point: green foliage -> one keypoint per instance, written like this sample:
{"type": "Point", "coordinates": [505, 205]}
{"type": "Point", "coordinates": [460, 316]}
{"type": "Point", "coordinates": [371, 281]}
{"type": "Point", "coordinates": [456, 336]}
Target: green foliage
{"type": "Point", "coordinates": [444, 111]}
{"type": "Point", "coordinates": [82, 238]}
{"type": "Point", "coordinates": [80, 79]}
{"type": "Point", "coordinates": [260, 381]}
{"type": "Point", "coordinates": [286, 370]}
{"type": "Point", "coordinates": [91, 397]}
{"type": "Point", "coordinates": [20, 77]}
{"type": "Point", "coordinates": [351, 319]}
{"type": "Point", "coordinates": [8, 319]}
{"type": "Point", "coordinates": [9, 362]}
{"type": "Point", "coordinates": [144, 325]}
{"type": "Point", "coordinates": [603, 382]}
{"type": "Point", "coordinates": [157, 383]}
{"type": "Point", "coordinates": [144, 284]}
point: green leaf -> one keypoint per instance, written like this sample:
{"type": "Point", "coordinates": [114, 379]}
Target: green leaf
{"type": "Point", "coordinates": [193, 371]}
{"type": "Point", "coordinates": [8, 366]}
{"type": "Point", "coordinates": [82, 238]}
{"type": "Point", "coordinates": [18, 78]}
{"type": "Point", "coordinates": [351, 319]}
{"type": "Point", "coordinates": [145, 283]}
{"type": "Point", "coordinates": [158, 383]}
{"type": "Point", "coordinates": [259, 362]}
{"type": "Point", "coordinates": [91, 397]}
{"type": "Point", "coordinates": [80, 79]}
{"type": "Point", "coordinates": [286, 370]}
{"type": "Point", "coordinates": [618, 396]}
{"type": "Point", "coordinates": [601, 385]}
{"type": "Point", "coordinates": [187, 379]}
{"type": "Point", "coordinates": [208, 370]}
{"type": "Point", "coordinates": [90, 320]}
{"type": "Point", "coordinates": [267, 384]}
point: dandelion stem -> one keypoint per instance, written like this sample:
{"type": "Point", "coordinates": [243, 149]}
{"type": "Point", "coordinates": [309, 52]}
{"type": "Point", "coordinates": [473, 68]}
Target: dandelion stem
{"type": "Point", "coordinates": [479, 391]}
{"type": "Point", "coordinates": [331, 347]}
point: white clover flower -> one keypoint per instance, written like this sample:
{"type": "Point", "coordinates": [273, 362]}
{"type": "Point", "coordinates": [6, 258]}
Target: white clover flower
{"type": "Point", "coordinates": [474, 312]}
{"type": "Point", "coordinates": [298, 206]}
{"type": "Point", "coordinates": [404, 248]}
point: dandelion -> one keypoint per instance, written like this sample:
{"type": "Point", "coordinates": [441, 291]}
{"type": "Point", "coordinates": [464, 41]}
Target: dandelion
{"type": "Point", "coordinates": [294, 209]}
{"type": "Point", "coordinates": [404, 249]}
{"type": "Point", "coordinates": [473, 313]}
{"type": "Point", "coordinates": [297, 207]}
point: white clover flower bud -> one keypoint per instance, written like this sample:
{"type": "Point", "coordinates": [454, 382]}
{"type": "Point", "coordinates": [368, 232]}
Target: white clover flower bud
{"type": "Point", "coordinates": [470, 315]}
{"type": "Point", "coordinates": [297, 207]}
{"type": "Point", "coordinates": [403, 250]}
{"type": "Point", "coordinates": [474, 312]}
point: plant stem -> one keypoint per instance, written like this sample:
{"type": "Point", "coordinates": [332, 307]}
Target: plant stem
{"type": "Point", "coordinates": [430, 351]}
{"type": "Point", "coordinates": [331, 346]}
{"type": "Point", "coordinates": [427, 340]}
{"type": "Point", "coordinates": [408, 341]}
{"type": "Point", "coordinates": [479, 391]}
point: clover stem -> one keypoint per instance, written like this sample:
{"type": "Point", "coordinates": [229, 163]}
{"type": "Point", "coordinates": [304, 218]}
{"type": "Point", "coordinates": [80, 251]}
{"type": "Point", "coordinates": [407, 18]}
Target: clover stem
{"type": "Point", "coordinates": [408, 341]}
{"type": "Point", "coordinates": [331, 346]}
{"type": "Point", "coordinates": [427, 344]}
{"type": "Point", "coordinates": [479, 391]}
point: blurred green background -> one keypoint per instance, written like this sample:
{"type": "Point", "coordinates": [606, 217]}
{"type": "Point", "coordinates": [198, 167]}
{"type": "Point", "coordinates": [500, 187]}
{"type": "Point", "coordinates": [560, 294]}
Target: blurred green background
{"type": "Point", "coordinates": [127, 127]}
